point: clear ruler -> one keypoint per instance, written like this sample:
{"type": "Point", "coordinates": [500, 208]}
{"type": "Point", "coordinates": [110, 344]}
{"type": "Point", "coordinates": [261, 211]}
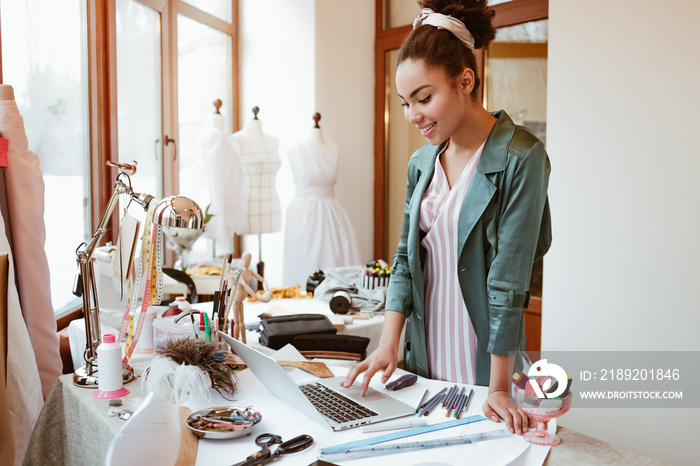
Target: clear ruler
{"type": "Point", "coordinates": [402, 434]}
{"type": "Point", "coordinates": [388, 449]}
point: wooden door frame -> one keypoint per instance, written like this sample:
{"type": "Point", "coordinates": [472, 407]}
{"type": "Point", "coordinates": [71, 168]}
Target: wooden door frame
{"type": "Point", "coordinates": [506, 14]}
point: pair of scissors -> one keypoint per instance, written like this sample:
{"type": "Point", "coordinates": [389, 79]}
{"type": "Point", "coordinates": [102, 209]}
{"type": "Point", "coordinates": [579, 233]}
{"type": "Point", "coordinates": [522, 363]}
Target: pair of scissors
{"type": "Point", "coordinates": [265, 455]}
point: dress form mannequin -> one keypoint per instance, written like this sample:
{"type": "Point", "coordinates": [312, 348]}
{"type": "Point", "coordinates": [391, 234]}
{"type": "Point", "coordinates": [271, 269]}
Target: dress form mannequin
{"type": "Point", "coordinates": [225, 180]}
{"type": "Point", "coordinates": [258, 154]}
{"type": "Point", "coordinates": [318, 232]}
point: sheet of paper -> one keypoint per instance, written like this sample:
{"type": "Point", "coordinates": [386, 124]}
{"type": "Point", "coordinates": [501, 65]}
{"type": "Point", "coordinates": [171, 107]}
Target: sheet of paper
{"type": "Point", "coordinates": [124, 254]}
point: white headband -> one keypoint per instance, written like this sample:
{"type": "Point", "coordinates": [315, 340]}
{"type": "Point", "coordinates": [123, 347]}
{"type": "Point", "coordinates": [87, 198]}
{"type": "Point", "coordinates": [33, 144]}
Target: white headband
{"type": "Point", "coordinates": [440, 21]}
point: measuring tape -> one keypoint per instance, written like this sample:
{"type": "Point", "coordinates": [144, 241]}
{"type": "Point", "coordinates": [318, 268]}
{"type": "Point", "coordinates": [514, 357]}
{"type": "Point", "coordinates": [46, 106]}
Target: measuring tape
{"type": "Point", "coordinates": [403, 434]}
{"type": "Point", "coordinates": [150, 266]}
{"type": "Point", "coordinates": [355, 453]}
{"type": "Point", "coordinates": [145, 303]}
{"type": "Point", "coordinates": [141, 267]}
{"type": "Point", "coordinates": [157, 267]}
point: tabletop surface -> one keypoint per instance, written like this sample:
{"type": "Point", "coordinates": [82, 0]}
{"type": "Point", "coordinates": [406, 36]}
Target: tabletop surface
{"type": "Point", "coordinates": [75, 428]}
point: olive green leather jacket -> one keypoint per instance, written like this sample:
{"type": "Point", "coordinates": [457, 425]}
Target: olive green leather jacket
{"type": "Point", "coordinates": [504, 226]}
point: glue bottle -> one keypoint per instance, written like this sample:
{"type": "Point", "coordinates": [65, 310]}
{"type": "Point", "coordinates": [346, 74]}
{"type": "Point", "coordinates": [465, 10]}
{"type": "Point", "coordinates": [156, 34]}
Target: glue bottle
{"type": "Point", "coordinates": [183, 304]}
{"type": "Point", "coordinates": [172, 310]}
{"type": "Point", "coordinates": [109, 374]}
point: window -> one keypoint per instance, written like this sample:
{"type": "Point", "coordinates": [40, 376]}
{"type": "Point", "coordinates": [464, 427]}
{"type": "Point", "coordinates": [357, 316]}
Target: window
{"type": "Point", "coordinates": [203, 77]}
{"type": "Point", "coordinates": [98, 81]}
{"type": "Point", "coordinates": [47, 67]}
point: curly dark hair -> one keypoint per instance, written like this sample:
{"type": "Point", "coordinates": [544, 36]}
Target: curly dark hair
{"type": "Point", "coordinates": [439, 48]}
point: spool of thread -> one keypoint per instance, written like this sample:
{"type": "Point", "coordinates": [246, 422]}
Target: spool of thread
{"type": "Point", "coordinates": [145, 343]}
{"type": "Point", "coordinates": [109, 374]}
{"type": "Point", "coordinates": [340, 302]}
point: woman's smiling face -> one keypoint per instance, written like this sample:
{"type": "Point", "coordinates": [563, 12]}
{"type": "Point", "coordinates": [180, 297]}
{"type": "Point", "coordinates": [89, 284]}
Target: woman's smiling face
{"type": "Point", "coordinates": [432, 103]}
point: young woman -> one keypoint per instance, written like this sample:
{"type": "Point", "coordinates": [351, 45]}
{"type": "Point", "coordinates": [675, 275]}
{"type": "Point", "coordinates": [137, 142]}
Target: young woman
{"type": "Point", "coordinates": [476, 217]}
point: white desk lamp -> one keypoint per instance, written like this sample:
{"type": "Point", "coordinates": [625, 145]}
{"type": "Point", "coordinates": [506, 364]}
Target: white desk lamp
{"type": "Point", "coordinates": [173, 211]}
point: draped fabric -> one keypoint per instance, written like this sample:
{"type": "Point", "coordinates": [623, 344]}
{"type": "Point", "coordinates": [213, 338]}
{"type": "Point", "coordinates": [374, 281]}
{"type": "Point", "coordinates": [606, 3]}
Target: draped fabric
{"type": "Point", "coordinates": [21, 392]}
{"type": "Point", "coordinates": [318, 232]}
{"type": "Point", "coordinates": [25, 194]}
{"type": "Point", "coordinates": [449, 331]}
{"type": "Point", "coordinates": [224, 178]}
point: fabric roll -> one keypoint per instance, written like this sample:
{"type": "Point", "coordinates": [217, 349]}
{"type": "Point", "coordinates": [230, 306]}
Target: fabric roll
{"type": "Point", "coordinates": [25, 193]}
{"type": "Point", "coordinates": [22, 390]}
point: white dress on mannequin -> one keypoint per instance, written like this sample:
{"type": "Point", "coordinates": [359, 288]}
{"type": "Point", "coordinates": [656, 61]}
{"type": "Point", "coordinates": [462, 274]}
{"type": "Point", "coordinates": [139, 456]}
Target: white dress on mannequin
{"type": "Point", "coordinates": [318, 232]}
{"type": "Point", "coordinates": [259, 157]}
{"type": "Point", "coordinates": [224, 177]}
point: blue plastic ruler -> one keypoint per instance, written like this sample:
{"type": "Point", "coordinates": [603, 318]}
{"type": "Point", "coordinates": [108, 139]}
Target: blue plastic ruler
{"type": "Point", "coordinates": [402, 434]}
{"type": "Point", "coordinates": [369, 451]}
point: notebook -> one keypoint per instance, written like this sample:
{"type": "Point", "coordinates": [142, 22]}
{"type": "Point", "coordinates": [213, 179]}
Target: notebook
{"type": "Point", "coordinates": [346, 408]}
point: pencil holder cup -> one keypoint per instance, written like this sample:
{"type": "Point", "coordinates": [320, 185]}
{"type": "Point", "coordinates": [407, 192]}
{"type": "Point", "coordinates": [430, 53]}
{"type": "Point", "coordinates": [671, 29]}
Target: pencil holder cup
{"type": "Point", "coordinates": [166, 328]}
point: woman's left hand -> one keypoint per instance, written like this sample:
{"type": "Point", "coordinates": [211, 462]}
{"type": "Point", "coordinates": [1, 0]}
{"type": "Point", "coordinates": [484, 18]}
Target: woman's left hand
{"type": "Point", "coordinates": [496, 406]}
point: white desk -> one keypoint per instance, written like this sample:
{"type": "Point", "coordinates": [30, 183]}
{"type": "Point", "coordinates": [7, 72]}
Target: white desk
{"type": "Point", "coordinates": [279, 418]}
{"type": "Point", "coordinates": [74, 428]}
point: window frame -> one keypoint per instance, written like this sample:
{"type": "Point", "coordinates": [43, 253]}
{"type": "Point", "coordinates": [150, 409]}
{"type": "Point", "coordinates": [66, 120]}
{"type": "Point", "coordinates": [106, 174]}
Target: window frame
{"type": "Point", "coordinates": [102, 99]}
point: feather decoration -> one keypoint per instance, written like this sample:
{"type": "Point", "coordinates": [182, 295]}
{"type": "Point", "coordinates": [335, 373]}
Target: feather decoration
{"type": "Point", "coordinates": [187, 367]}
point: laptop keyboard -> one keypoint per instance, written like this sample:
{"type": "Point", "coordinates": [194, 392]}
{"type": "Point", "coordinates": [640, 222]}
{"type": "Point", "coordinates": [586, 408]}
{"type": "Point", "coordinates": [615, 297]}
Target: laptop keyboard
{"type": "Point", "coordinates": [334, 405]}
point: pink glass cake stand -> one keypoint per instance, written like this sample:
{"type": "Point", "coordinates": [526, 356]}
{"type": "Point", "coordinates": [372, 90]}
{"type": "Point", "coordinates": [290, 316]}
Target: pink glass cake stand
{"type": "Point", "coordinates": [542, 411]}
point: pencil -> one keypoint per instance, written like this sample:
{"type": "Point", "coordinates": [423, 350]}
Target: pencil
{"type": "Point", "coordinates": [466, 405]}
{"type": "Point", "coordinates": [428, 409]}
{"type": "Point", "coordinates": [206, 327]}
{"type": "Point", "coordinates": [216, 329]}
{"type": "Point", "coordinates": [429, 402]}
{"type": "Point", "coordinates": [450, 392]}
{"type": "Point", "coordinates": [420, 403]}
{"type": "Point", "coordinates": [194, 325]}
{"type": "Point", "coordinates": [225, 271]}
{"type": "Point", "coordinates": [456, 402]}
{"type": "Point", "coordinates": [462, 401]}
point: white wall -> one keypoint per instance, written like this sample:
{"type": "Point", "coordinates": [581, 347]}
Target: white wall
{"type": "Point", "coordinates": [625, 191]}
{"type": "Point", "coordinates": [277, 74]}
{"type": "Point", "coordinates": [622, 95]}
{"type": "Point", "coordinates": [345, 100]}
{"type": "Point", "coordinates": [299, 57]}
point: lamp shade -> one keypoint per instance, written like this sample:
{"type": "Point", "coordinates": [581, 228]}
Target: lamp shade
{"type": "Point", "coordinates": [178, 212]}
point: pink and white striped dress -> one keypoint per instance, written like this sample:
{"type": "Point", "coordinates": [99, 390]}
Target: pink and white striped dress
{"type": "Point", "coordinates": [450, 337]}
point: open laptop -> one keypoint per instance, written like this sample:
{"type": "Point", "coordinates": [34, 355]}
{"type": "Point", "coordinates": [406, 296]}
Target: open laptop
{"type": "Point", "coordinates": [344, 410]}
